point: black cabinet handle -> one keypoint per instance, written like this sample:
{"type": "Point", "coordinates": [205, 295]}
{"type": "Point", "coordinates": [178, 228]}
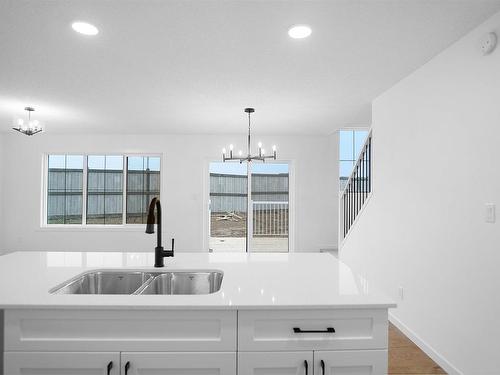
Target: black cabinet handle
{"type": "Point", "coordinates": [322, 363]}
{"type": "Point", "coordinates": [110, 366]}
{"type": "Point", "coordinates": [306, 366]}
{"type": "Point", "coordinates": [127, 366]}
{"type": "Point", "coordinates": [328, 330]}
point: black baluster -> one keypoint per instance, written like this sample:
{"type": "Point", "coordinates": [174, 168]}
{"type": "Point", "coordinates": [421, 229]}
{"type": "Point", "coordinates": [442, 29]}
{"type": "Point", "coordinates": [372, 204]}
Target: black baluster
{"type": "Point", "coordinates": [362, 177]}
{"type": "Point", "coordinates": [356, 205]}
{"type": "Point", "coordinates": [370, 163]}
{"type": "Point", "coordinates": [344, 202]}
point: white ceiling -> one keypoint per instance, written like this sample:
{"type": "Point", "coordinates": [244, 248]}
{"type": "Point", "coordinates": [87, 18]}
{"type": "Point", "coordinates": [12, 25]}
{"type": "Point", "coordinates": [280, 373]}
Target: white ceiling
{"type": "Point", "coordinates": [192, 66]}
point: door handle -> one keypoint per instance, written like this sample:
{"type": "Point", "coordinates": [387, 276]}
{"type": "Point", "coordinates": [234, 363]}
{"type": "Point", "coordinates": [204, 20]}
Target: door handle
{"type": "Point", "coordinates": [127, 366]}
{"type": "Point", "coordinates": [306, 367]}
{"type": "Point", "coordinates": [322, 363]}
{"type": "Point", "coordinates": [110, 366]}
{"type": "Point", "coordinates": [327, 330]}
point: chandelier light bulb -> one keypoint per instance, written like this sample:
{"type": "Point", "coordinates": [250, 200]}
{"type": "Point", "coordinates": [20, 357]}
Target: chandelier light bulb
{"type": "Point", "coordinates": [260, 156]}
{"type": "Point", "coordinates": [30, 127]}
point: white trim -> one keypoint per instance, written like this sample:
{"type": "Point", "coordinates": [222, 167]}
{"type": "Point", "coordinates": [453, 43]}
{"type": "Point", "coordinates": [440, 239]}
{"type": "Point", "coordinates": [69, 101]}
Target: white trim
{"type": "Point", "coordinates": [44, 226]}
{"type": "Point", "coordinates": [291, 206]}
{"type": "Point", "coordinates": [124, 189]}
{"type": "Point", "coordinates": [84, 189]}
{"type": "Point", "coordinates": [206, 204]}
{"type": "Point", "coordinates": [249, 209]}
{"type": "Point", "coordinates": [426, 348]}
{"type": "Point", "coordinates": [43, 192]}
{"type": "Point", "coordinates": [369, 136]}
{"type": "Point", "coordinates": [291, 201]}
{"type": "Point", "coordinates": [340, 233]}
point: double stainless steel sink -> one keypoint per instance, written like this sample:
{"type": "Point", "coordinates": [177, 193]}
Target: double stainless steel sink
{"type": "Point", "coordinates": [142, 282]}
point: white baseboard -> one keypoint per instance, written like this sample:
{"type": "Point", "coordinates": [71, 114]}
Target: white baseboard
{"type": "Point", "coordinates": [427, 349]}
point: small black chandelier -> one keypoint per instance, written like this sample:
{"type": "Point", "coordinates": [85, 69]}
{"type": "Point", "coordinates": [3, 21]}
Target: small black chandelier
{"type": "Point", "coordinates": [248, 158]}
{"type": "Point", "coordinates": [31, 127]}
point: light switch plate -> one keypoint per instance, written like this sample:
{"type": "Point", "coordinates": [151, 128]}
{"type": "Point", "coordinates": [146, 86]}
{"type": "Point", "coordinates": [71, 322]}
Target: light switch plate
{"type": "Point", "coordinates": [490, 215]}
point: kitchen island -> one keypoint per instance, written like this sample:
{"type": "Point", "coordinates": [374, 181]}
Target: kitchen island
{"type": "Point", "coordinates": [296, 313]}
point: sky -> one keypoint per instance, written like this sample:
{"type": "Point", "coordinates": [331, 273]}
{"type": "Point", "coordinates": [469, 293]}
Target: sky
{"type": "Point", "coordinates": [109, 162]}
{"type": "Point", "coordinates": [350, 144]}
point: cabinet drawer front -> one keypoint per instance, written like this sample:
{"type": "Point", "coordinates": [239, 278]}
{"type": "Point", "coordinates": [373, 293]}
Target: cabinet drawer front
{"type": "Point", "coordinates": [277, 363]}
{"type": "Point", "coordinates": [179, 363]}
{"type": "Point", "coordinates": [73, 330]}
{"type": "Point", "coordinates": [58, 363]}
{"type": "Point", "coordinates": [312, 329]}
{"type": "Point", "coordinates": [351, 362]}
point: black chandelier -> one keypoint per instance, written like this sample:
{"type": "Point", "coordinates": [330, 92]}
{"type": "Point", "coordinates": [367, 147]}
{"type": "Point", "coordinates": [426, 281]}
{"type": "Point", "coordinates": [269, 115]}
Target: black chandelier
{"type": "Point", "coordinates": [249, 157]}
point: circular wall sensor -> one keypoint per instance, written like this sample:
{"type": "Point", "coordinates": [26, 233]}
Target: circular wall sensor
{"type": "Point", "coordinates": [488, 43]}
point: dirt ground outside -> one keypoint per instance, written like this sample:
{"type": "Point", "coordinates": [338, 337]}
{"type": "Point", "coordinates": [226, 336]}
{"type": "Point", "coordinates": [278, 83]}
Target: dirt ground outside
{"type": "Point", "coordinates": [233, 224]}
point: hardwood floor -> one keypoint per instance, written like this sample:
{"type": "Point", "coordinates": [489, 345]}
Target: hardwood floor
{"type": "Point", "coordinates": [406, 358]}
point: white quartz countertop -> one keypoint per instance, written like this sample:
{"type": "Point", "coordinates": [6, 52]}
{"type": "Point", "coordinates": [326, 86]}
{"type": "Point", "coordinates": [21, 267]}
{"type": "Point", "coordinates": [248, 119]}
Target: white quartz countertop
{"type": "Point", "coordinates": [251, 281]}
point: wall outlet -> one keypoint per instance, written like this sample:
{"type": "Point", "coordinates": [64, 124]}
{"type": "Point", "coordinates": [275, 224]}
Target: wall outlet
{"type": "Point", "coordinates": [401, 293]}
{"type": "Point", "coordinates": [490, 214]}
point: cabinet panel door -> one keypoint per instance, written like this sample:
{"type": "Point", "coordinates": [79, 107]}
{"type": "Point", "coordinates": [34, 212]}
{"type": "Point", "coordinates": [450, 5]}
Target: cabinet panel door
{"type": "Point", "coordinates": [351, 362]}
{"type": "Point", "coordinates": [120, 330]}
{"type": "Point", "coordinates": [201, 363]}
{"type": "Point", "coordinates": [292, 330]}
{"type": "Point", "coordinates": [275, 363]}
{"type": "Point", "coordinates": [67, 363]}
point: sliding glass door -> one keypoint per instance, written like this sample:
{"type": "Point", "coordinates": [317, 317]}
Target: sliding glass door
{"type": "Point", "coordinates": [240, 224]}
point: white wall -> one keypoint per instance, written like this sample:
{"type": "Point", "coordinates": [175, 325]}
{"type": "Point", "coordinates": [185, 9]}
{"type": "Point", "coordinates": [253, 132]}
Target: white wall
{"type": "Point", "coordinates": [2, 239]}
{"type": "Point", "coordinates": [1, 247]}
{"type": "Point", "coordinates": [183, 179]}
{"type": "Point", "coordinates": [436, 138]}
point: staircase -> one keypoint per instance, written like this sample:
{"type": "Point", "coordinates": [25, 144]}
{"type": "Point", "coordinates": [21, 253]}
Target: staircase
{"type": "Point", "coordinates": [357, 190]}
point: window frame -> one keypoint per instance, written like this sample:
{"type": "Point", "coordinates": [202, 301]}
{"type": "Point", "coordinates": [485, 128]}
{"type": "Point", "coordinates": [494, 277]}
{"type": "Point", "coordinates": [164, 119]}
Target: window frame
{"type": "Point", "coordinates": [291, 204]}
{"type": "Point", "coordinates": [97, 227]}
{"type": "Point", "coordinates": [354, 155]}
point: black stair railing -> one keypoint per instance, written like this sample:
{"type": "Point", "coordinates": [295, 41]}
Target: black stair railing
{"type": "Point", "coordinates": [358, 187]}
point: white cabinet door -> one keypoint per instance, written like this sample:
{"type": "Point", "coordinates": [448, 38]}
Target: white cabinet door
{"type": "Point", "coordinates": [351, 362]}
{"type": "Point", "coordinates": [57, 363]}
{"type": "Point", "coordinates": [120, 330]}
{"type": "Point", "coordinates": [275, 363]}
{"type": "Point", "coordinates": [294, 330]}
{"type": "Point", "coordinates": [202, 363]}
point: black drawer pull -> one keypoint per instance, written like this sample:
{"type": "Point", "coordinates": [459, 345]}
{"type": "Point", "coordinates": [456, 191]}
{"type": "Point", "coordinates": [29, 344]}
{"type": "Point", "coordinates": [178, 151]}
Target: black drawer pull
{"type": "Point", "coordinates": [110, 366]}
{"type": "Point", "coordinates": [328, 330]}
{"type": "Point", "coordinates": [322, 367]}
{"type": "Point", "coordinates": [127, 366]}
{"type": "Point", "coordinates": [306, 366]}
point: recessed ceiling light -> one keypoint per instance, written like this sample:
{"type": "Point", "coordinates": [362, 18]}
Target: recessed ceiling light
{"type": "Point", "coordinates": [84, 28]}
{"type": "Point", "coordinates": [299, 31]}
